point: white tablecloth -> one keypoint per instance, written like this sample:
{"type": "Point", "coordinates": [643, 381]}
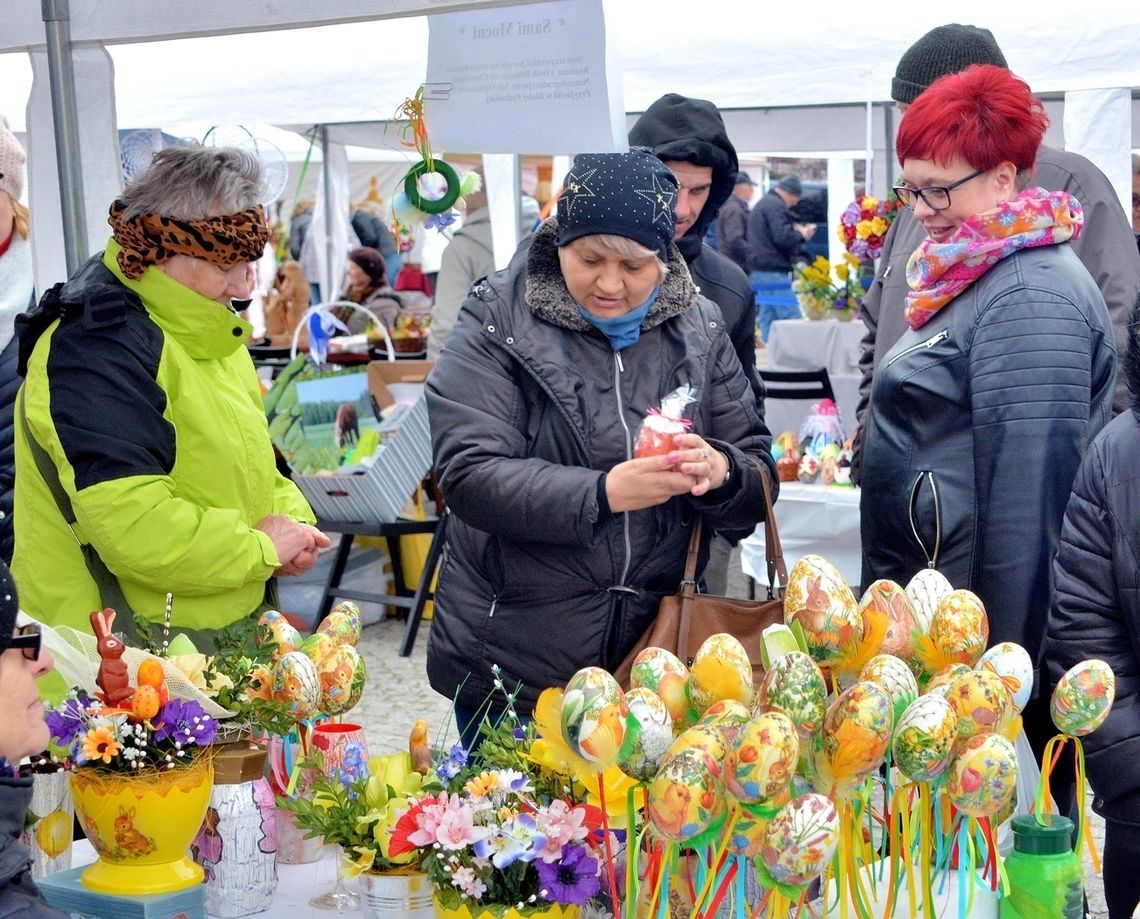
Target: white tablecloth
{"type": "Point", "coordinates": [812, 519]}
{"type": "Point", "coordinates": [296, 884]}
{"type": "Point", "coordinates": [804, 344]}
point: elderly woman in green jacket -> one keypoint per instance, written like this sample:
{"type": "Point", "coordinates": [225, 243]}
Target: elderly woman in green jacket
{"type": "Point", "coordinates": [144, 465]}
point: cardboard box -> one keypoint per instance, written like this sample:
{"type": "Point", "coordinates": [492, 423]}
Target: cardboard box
{"type": "Point", "coordinates": [390, 382]}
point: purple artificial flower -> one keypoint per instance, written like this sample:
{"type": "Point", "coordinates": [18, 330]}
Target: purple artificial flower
{"type": "Point", "coordinates": [184, 721]}
{"type": "Point", "coordinates": [456, 760]}
{"type": "Point", "coordinates": [440, 221]}
{"type": "Point", "coordinates": [574, 879]}
{"type": "Point", "coordinates": [69, 720]}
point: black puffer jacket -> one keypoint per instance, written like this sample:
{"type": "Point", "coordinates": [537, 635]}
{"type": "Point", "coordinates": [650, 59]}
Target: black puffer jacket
{"type": "Point", "coordinates": [1096, 598]}
{"type": "Point", "coordinates": [773, 241]}
{"type": "Point", "coordinates": [529, 408]}
{"type": "Point", "coordinates": [978, 422]}
{"type": "Point", "coordinates": [692, 130]}
{"type": "Point", "coordinates": [19, 895]}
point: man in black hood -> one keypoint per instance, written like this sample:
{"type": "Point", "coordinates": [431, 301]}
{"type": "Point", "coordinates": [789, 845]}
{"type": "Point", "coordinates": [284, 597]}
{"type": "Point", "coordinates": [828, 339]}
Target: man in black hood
{"type": "Point", "coordinates": [688, 136]}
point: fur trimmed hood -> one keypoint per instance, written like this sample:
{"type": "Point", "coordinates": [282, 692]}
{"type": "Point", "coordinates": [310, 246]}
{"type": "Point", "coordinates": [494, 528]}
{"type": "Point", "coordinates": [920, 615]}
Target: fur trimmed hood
{"type": "Point", "coordinates": [549, 298]}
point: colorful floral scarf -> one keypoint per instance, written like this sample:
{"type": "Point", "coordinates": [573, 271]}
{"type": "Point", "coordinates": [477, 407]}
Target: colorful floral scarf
{"type": "Point", "coordinates": [938, 272]}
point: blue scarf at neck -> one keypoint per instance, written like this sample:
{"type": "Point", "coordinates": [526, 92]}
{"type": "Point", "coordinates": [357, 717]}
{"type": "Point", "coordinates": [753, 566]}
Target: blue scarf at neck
{"type": "Point", "coordinates": [622, 331]}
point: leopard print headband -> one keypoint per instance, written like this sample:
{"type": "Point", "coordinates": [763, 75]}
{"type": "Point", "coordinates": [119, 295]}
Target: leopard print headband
{"type": "Point", "coordinates": [149, 239]}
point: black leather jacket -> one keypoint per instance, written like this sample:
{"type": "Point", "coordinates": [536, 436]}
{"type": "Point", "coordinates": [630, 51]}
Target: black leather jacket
{"type": "Point", "coordinates": [978, 422]}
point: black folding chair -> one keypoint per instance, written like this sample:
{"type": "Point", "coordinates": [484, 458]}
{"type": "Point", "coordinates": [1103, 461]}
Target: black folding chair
{"type": "Point", "coordinates": [797, 384]}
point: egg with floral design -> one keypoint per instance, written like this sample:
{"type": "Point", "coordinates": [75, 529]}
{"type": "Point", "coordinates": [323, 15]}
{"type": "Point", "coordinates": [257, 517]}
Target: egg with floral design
{"type": "Point", "coordinates": [794, 685]}
{"type": "Point", "coordinates": [940, 682]}
{"type": "Point", "coordinates": [924, 738]}
{"type": "Point", "coordinates": [981, 703]}
{"type": "Point", "coordinates": [664, 673]}
{"type": "Point", "coordinates": [318, 646]}
{"type": "Point", "coordinates": [728, 715]}
{"type": "Point", "coordinates": [593, 715]}
{"type": "Point", "coordinates": [297, 685]}
{"type": "Point", "coordinates": [960, 629]}
{"type": "Point", "coordinates": [889, 600]}
{"type": "Point", "coordinates": [800, 841]}
{"type": "Point", "coordinates": [686, 796]}
{"type": "Point", "coordinates": [277, 633]}
{"type": "Point", "coordinates": [342, 675]}
{"type": "Point", "coordinates": [649, 734]}
{"type": "Point", "coordinates": [820, 600]}
{"type": "Point", "coordinates": [857, 730]}
{"type": "Point", "coordinates": [720, 670]}
{"type": "Point", "coordinates": [1083, 698]}
{"type": "Point", "coordinates": [762, 760]}
{"type": "Point", "coordinates": [344, 623]}
{"type": "Point", "coordinates": [982, 778]}
{"type": "Point", "coordinates": [1011, 663]}
{"type": "Point", "coordinates": [895, 677]}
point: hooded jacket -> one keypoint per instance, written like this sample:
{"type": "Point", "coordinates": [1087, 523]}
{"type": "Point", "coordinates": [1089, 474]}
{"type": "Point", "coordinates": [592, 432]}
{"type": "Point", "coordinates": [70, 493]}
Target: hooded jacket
{"type": "Point", "coordinates": [978, 422]}
{"type": "Point", "coordinates": [148, 406]}
{"type": "Point", "coordinates": [1096, 598]}
{"type": "Point", "coordinates": [19, 895]}
{"type": "Point", "coordinates": [692, 130]}
{"type": "Point", "coordinates": [530, 407]}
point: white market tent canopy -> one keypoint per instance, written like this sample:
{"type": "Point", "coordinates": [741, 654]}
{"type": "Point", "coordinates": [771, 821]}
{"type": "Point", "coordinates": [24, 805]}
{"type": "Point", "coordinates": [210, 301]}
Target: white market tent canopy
{"type": "Point", "coordinates": [789, 83]}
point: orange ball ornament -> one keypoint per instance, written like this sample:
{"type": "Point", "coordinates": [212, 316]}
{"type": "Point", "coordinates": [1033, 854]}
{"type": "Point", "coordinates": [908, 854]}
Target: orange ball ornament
{"type": "Point", "coordinates": [145, 702]}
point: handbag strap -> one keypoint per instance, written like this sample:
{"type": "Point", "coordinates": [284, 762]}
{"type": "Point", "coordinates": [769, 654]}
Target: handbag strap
{"type": "Point", "coordinates": [774, 552]}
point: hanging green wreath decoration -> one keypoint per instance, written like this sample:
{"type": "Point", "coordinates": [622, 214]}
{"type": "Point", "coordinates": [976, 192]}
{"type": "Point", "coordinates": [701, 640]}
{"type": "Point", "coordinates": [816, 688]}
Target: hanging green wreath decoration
{"type": "Point", "coordinates": [427, 205]}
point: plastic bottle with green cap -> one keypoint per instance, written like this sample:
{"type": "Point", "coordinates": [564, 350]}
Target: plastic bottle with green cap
{"type": "Point", "coordinates": [1046, 880]}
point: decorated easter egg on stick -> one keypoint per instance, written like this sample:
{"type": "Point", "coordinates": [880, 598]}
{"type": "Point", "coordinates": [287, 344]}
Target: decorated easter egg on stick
{"type": "Point", "coordinates": [1083, 698]}
{"type": "Point", "coordinates": [594, 715]}
{"type": "Point", "coordinates": [821, 601]}
{"type": "Point", "coordinates": [663, 672]}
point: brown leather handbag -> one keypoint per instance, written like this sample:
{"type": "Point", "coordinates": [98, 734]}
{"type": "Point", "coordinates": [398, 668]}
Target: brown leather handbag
{"type": "Point", "coordinates": [687, 618]}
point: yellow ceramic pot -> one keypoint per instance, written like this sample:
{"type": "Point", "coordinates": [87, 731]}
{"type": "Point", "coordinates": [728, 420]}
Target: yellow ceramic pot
{"type": "Point", "coordinates": [495, 911]}
{"type": "Point", "coordinates": [142, 826]}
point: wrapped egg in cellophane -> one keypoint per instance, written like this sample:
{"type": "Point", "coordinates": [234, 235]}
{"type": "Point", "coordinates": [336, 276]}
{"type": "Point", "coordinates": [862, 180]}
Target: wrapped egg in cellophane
{"type": "Point", "coordinates": [891, 601]}
{"type": "Point", "coordinates": [686, 796]}
{"type": "Point", "coordinates": [649, 734]}
{"type": "Point", "coordinates": [1083, 698]}
{"type": "Point", "coordinates": [924, 738]}
{"type": "Point", "coordinates": [297, 685]}
{"type": "Point", "coordinates": [795, 686]}
{"type": "Point", "coordinates": [762, 760]}
{"type": "Point", "coordinates": [276, 633]}
{"type": "Point", "coordinates": [819, 599]}
{"type": "Point", "coordinates": [720, 670]}
{"type": "Point", "coordinates": [981, 703]}
{"type": "Point", "coordinates": [1011, 663]}
{"type": "Point", "coordinates": [982, 777]}
{"type": "Point", "coordinates": [895, 677]}
{"type": "Point", "coordinates": [593, 715]}
{"type": "Point", "coordinates": [925, 591]}
{"type": "Point", "coordinates": [800, 841]}
{"type": "Point", "coordinates": [663, 673]}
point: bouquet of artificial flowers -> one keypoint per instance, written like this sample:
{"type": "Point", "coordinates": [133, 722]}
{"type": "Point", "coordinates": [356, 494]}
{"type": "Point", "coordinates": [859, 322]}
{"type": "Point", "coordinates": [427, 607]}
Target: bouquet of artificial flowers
{"type": "Point", "coordinates": [864, 224]}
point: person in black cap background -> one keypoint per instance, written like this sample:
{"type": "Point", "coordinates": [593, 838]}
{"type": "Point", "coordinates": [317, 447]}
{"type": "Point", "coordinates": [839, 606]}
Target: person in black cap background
{"type": "Point", "coordinates": [23, 732]}
{"type": "Point", "coordinates": [775, 243]}
{"type": "Point", "coordinates": [732, 221]}
{"type": "Point", "coordinates": [1106, 247]}
{"type": "Point", "coordinates": [689, 137]}
{"type": "Point", "coordinates": [561, 544]}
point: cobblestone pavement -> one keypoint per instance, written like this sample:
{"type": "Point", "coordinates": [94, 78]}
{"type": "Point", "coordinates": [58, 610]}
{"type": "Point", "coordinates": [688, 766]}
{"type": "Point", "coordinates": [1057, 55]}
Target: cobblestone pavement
{"type": "Point", "coordinates": [397, 694]}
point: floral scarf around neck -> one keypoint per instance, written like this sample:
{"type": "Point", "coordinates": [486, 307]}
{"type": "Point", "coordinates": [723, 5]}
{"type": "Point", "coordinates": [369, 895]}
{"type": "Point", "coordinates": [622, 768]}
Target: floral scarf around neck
{"type": "Point", "coordinates": [938, 272]}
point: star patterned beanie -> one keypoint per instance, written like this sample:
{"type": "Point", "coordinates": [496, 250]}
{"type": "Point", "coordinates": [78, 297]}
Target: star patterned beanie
{"type": "Point", "coordinates": [9, 606]}
{"type": "Point", "coordinates": [623, 194]}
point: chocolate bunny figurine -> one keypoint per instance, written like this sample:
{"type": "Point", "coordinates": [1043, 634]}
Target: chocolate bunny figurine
{"type": "Point", "coordinates": [112, 677]}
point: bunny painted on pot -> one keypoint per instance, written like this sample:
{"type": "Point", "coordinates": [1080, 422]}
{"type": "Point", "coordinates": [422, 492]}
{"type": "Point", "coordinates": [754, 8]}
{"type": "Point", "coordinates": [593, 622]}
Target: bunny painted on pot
{"type": "Point", "coordinates": [112, 678]}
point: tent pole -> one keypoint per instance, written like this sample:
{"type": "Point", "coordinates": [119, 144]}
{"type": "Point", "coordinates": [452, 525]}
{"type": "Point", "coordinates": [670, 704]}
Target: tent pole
{"type": "Point", "coordinates": [57, 28]}
{"type": "Point", "coordinates": [328, 291]}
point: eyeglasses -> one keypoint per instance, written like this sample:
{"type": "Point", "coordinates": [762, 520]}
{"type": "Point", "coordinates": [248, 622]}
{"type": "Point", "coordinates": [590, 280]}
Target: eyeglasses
{"type": "Point", "coordinates": [30, 639]}
{"type": "Point", "coordinates": [937, 197]}
{"type": "Point", "coordinates": [1135, 200]}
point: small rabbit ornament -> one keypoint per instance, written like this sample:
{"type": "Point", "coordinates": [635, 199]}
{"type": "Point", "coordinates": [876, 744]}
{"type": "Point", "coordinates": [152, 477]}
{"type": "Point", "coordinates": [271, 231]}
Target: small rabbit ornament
{"type": "Point", "coordinates": [112, 677]}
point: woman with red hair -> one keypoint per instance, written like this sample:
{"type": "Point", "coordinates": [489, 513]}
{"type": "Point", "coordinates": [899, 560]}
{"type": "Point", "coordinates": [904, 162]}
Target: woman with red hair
{"type": "Point", "coordinates": [981, 412]}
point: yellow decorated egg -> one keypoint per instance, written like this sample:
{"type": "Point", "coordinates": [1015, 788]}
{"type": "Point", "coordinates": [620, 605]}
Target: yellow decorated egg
{"type": "Point", "coordinates": [728, 715]}
{"type": "Point", "coordinates": [960, 629]}
{"type": "Point", "coordinates": [275, 632]}
{"type": "Point", "coordinates": [983, 776]}
{"type": "Point", "coordinates": [297, 685]}
{"type": "Point", "coordinates": [593, 715]}
{"type": "Point", "coordinates": [857, 730]}
{"type": "Point", "coordinates": [800, 841]}
{"type": "Point", "coordinates": [762, 759]}
{"type": "Point", "coordinates": [342, 676]}
{"type": "Point", "coordinates": [1083, 698]}
{"type": "Point", "coordinates": [940, 682]}
{"type": "Point", "coordinates": [895, 677]}
{"type": "Point", "coordinates": [318, 646]}
{"type": "Point", "coordinates": [925, 737]}
{"type": "Point", "coordinates": [821, 601]}
{"type": "Point", "coordinates": [925, 591]}
{"type": "Point", "coordinates": [344, 623]}
{"type": "Point", "coordinates": [686, 796]}
{"type": "Point", "coordinates": [663, 672]}
{"type": "Point", "coordinates": [651, 737]}
{"type": "Point", "coordinates": [889, 600]}
{"type": "Point", "coordinates": [980, 702]}
{"type": "Point", "coordinates": [794, 685]}
{"type": "Point", "coordinates": [1012, 665]}
{"type": "Point", "coordinates": [720, 670]}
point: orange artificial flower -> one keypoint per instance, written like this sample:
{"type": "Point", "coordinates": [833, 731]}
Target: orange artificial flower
{"type": "Point", "coordinates": [100, 744]}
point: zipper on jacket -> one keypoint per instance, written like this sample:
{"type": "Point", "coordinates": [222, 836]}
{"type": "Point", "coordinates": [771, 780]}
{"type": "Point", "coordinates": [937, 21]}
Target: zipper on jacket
{"type": "Point", "coordinates": [619, 369]}
{"type": "Point", "coordinates": [929, 343]}
{"type": "Point", "coordinates": [494, 603]}
{"type": "Point", "coordinates": [928, 476]}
